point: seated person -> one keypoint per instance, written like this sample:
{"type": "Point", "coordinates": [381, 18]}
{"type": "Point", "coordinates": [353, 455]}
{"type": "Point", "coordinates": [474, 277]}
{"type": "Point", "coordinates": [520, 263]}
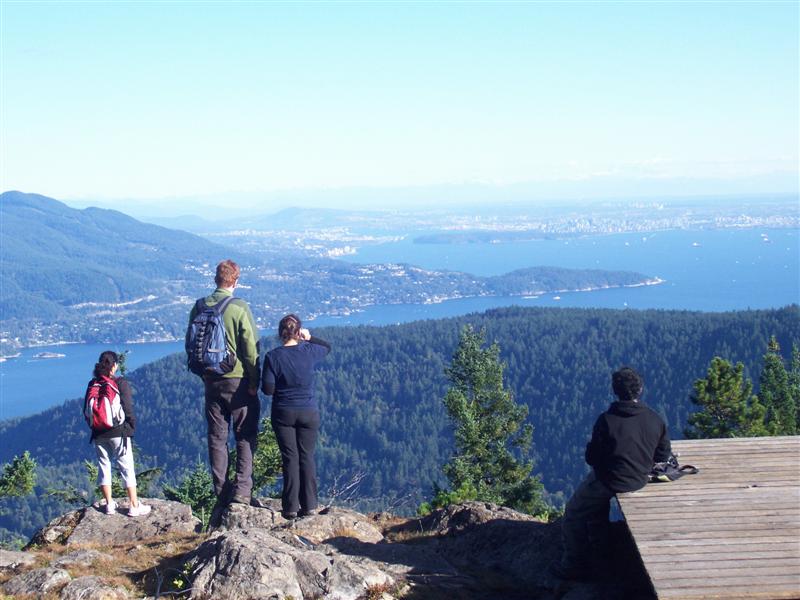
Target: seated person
{"type": "Point", "coordinates": [626, 441]}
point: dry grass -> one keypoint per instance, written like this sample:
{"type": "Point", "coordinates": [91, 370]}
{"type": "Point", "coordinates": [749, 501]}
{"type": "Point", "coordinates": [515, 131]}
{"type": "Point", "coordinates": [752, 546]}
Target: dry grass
{"type": "Point", "coordinates": [138, 567]}
{"type": "Point", "coordinates": [377, 590]}
{"type": "Point", "coordinates": [345, 532]}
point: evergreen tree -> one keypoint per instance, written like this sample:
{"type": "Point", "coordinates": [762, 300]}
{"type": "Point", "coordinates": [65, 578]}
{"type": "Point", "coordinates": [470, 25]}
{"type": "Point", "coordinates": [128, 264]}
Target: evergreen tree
{"type": "Point", "coordinates": [794, 383]}
{"type": "Point", "coordinates": [492, 439]}
{"type": "Point", "coordinates": [775, 393]}
{"type": "Point", "coordinates": [18, 476]}
{"type": "Point", "coordinates": [197, 490]}
{"type": "Point", "coordinates": [728, 407]}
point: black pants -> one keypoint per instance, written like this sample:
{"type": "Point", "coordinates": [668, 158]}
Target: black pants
{"type": "Point", "coordinates": [296, 431]}
{"type": "Point", "coordinates": [229, 403]}
{"type": "Point", "coordinates": [585, 521]}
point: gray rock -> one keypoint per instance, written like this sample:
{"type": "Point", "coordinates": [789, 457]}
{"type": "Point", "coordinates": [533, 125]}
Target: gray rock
{"type": "Point", "coordinates": [330, 523]}
{"type": "Point", "coordinates": [79, 557]}
{"type": "Point", "coordinates": [264, 514]}
{"type": "Point", "coordinates": [92, 526]}
{"type": "Point", "coordinates": [468, 515]}
{"type": "Point", "coordinates": [416, 561]}
{"type": "Point", "coordinates": [37, 582]}
{"type": "Point", "coordinates": [336, 523]}
{"type": "Point", "coordinates": [92, 588]}
{"type": "Point", "coordinates": [57, 530]}
{"type": "Point", "coordinates": [10, 559]}
{"type": "Point", "coordinates": [244, 564]}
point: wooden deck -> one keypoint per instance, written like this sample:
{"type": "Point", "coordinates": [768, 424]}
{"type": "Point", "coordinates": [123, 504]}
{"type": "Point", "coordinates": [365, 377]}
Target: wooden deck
{"type": "Point", "coordinates": [731, 531]}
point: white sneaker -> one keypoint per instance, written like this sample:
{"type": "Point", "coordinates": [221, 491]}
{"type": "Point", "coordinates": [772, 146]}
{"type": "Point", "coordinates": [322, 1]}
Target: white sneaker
{"type": "Point", "coordinates": [139, 510]}
{"type": "Point", "coordinates": [111, 508]}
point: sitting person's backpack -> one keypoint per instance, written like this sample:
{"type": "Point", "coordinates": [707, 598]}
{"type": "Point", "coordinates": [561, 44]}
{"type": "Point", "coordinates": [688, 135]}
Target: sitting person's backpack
{"type": "Point", "coordinates": [670, 470]}
{"type": "Point", "coordinates": [206, 343]}
{"type": "Point", "coordinates": [102, 407]}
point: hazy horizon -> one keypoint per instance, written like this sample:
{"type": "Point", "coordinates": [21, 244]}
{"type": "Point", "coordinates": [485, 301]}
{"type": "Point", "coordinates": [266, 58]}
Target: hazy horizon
{"type": "Point", "coordinates": [327, 103]}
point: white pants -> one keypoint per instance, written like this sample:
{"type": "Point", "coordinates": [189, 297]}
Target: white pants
{"type": "Point", "coordinates": [118, 449]}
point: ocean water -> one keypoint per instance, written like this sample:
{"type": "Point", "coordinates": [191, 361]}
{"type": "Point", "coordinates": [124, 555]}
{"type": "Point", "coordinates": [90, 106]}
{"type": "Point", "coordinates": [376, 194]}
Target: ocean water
{"type": "Point", "coordinates": [709, 270]}
{"type": "Point", "coordinates": [714, 270]}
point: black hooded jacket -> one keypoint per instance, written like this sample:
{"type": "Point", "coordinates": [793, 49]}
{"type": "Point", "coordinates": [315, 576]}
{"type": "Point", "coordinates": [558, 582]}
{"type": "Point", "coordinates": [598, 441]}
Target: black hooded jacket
{"type": "Point", "coordinates": [626, 440]}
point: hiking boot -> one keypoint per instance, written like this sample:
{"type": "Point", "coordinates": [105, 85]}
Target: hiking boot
{"type": "Point", "coordinates": [289, 516]}
{"type": "Point", "coordinates": [139, 510]}
{"type": "Point", "coordinates": [308, 512]}
{"type": "Point", "coordinates": [110, 508]}
{"type": "Point", "coordinates": [240, 500]}
{"type": "Point", "coordinates": [215, 519]}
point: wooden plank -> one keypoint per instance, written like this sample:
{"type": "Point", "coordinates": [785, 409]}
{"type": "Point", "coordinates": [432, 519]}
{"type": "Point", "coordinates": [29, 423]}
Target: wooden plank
{"type": "Point", "coordinates": [718, 542]}
{"type": "Point", "coordinates": [690, 556]}
{"type": "Point", "coordinates": [711, 568]}
{"type": "Point", "coordinates": [676, 581]}
{"type": "Point", "coordinates": [754, 592]}
{"type": "Point", "coordinates": [731, 531]}
{"type": "Point", "coordinates": [721, 524]}
{"type": "Point", "coordinates": [756, 515]}
{"type": "Point", "coordinates": [718, 536]}
{"type": "Point", "coordinates": [672, 506]}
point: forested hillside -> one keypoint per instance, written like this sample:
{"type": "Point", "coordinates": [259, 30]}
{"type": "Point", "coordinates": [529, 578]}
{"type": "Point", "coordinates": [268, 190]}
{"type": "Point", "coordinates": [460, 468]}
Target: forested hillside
{"type": "Point", "coordinates": [381, 393]}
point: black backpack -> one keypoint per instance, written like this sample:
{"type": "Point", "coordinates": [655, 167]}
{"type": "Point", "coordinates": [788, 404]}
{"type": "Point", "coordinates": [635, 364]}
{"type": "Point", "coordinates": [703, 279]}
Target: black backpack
{"type": "Point", "coordinates": [670, 470]}
{"type": "Point", "coordinates": [206, 344]}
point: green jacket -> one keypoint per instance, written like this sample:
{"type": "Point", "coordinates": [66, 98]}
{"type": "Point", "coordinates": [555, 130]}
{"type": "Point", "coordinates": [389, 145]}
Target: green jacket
{"type": "Point", "coordinates": [241, 334]}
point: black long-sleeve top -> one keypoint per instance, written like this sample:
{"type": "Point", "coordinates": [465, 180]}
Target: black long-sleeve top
{"type": "Point", "coordinates": [127, 427]}
{"type": "Point", "coordinates": [626, 440]}
{"type": "Point", "coordinates": [288, 373]}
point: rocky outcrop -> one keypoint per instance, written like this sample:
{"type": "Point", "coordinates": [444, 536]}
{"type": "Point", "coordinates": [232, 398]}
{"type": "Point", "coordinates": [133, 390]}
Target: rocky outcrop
{"type": "Point", "coordinates": [341, 554]}
{"type": "Point", "coordinates": [467, 515]}
{"type": "Point", "coordinates": [244, 564]}
{"type": "Point", "coordinates": [92, 588]}
{"type": "Point", "coordinates": [10, 559]}
{"type": "Point", "coordinates": [91, 525]}
{"type": "Point", "coordinates": [473, 550]}
{"type": "Point", "coordinates": [329, 523]}
{"type": "Point", "coordinates": [37, 582]}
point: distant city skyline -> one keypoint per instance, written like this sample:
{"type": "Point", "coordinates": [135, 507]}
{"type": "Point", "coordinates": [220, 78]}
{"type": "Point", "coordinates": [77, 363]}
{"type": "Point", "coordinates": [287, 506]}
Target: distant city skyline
{"type": "Point", "coordinates": [279, 104]}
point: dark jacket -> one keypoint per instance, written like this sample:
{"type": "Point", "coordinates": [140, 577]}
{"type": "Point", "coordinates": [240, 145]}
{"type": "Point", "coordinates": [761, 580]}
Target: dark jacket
{"type": "Point", "coordinates": [626, 440]}
{"type": "Point", "coordinates": [289, 373]}
{"type": "Point", "coordinates": [127, 427]}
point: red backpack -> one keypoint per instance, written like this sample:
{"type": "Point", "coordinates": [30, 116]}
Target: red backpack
{"type": "Point", "coordinates": [102, 408]}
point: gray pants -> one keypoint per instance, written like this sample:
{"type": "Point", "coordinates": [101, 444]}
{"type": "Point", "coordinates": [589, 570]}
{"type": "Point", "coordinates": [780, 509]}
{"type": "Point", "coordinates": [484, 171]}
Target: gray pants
{"type": "Point", "coordinates": [585, 521]}
{"type": "Point", "coordinates": [119, 450]}
{"type": "Point", "coordinates": [228, 403]}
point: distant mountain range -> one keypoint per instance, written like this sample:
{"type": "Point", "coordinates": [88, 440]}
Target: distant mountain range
{"type": "Point", "coordinates": [98, 275]}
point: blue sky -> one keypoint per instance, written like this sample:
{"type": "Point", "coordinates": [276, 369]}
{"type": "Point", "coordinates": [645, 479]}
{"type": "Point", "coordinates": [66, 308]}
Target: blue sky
{"type": "Point", "coordinates": [155, 100]}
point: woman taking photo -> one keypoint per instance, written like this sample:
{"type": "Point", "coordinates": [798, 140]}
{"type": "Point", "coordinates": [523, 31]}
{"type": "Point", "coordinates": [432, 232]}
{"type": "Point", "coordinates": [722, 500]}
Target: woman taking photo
{"type": "Point", "coordinates": [288, 376]}
{"type": "Point", "coordinates": [109, 411]}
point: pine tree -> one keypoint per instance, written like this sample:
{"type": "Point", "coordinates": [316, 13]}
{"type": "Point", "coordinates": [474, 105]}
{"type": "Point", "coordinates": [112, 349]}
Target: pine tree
{"type": "Point", "coordinates": [18, 476]}
{"type": "Point", "coordinates": [775, 393]}
{"type": "Point", "coordinates": [728, 407]}
{"type": "Point", "coordinates": [197, 490]}
{"type": "Point", "coordinates": [794, 382]}
{"type": "Point", "coordinates": [492, 440]}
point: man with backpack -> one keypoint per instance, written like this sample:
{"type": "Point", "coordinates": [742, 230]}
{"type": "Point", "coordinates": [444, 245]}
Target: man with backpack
{"type": "Point", "coordinates": [222, 348]}
{"type": "Point", "coordinates": [626, 441]}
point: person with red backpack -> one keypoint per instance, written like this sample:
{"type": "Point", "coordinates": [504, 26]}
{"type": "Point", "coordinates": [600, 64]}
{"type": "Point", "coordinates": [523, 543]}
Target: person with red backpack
{"type": "Point", "coordinates": [108, 409]}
